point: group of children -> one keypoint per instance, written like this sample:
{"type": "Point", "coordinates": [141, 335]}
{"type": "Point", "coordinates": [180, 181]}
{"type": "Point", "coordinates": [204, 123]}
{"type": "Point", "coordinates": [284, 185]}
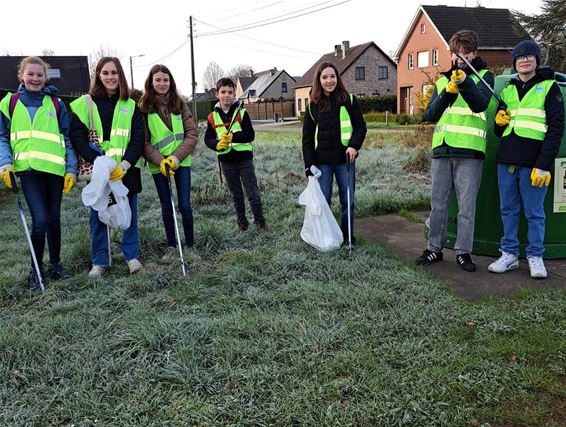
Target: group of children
{"type": "Point", "coordinates": [42, 147]}
{"type": "Point", "coordinates": [530, 122]}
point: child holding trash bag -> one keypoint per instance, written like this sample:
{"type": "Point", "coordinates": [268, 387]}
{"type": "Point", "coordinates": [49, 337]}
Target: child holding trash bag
{"type": "Point", "coordinates": [171, 138]}
{"type": "Point", "coordinates": [458, 103]}
{"type": "Point", "coordinates": [37, 149]}
{"type": "Point", "coordinates": [531, 129]}
{"type": "Point", "coordinates": [235, 152]}
{"type": "Point", "coordinates": [119, 127]}
{"type": "Point", "coordinates": [333, 132]}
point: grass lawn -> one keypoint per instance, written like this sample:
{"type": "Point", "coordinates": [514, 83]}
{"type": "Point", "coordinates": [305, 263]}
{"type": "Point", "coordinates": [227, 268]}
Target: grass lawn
{"type": "Point", "coordinates": [267, 331]}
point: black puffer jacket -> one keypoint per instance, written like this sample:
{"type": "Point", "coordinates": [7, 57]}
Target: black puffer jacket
{"type": "Point", "coordinates": [330, 150]}
{"type": "Point", "coordinates": [519, 151]}
{"type": "Point", "coordinates": [79, 138]}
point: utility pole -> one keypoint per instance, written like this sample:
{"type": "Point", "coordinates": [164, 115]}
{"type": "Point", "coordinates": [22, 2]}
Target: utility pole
{"type": "Point", "coordinates": [132, 68]}
{"type": "Point", "coordinates": [194, 83]}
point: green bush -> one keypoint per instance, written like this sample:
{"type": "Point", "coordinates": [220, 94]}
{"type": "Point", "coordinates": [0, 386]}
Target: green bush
{"type": "Point", "coordinates": [378, 103]}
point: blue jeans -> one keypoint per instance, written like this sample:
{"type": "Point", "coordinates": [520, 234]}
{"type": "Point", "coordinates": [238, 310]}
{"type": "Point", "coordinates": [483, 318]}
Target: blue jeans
{"type": "Point", "coordinates": [183, 183]}
{"type": "Point", "coordinates": [341, 173]}
{"type": "Point", "coordinates": [99, 237]}
{"type": "Point", "coordinates": [43, 193]}
{"type": "Point", "coordinates": [515, 189]}
{"type": "Point", "coordinates": [238, 173]}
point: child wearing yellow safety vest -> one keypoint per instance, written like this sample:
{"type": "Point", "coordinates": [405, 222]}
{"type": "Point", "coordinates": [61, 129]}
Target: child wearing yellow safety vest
{"type": "Point", "coordinates": [531, 129]}
{"type": "Point", "coordinates": [119, 127]}
{"type": "Point", "coordinates": [458, 103]}
{"type": "Point", "coordinates": [235, 151]}
{"type": "Point", "coordinates": [34, 144]}
{"type": "Point", "coordinates": [171, 137]}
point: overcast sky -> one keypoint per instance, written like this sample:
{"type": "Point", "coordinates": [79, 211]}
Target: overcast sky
{"type": "Point", "coordinates": [159, 30]}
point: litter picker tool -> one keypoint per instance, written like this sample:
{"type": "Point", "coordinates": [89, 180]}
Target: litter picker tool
{"type": "Point", "coordinates": [184, 266]}
{"type": "Point", "coordinates": [240, 105]}
{"type": "Point", "coordinates": [502, 105]}
{"type": "Point", "coordinates": [348, 164]}
{"type": "Point", "coordinates": [26, 230]}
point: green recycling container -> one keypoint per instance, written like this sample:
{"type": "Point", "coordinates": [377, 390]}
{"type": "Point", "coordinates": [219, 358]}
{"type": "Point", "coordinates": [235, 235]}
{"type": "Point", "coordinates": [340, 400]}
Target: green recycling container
{"type": "Point", "coordinates": [488, 225]}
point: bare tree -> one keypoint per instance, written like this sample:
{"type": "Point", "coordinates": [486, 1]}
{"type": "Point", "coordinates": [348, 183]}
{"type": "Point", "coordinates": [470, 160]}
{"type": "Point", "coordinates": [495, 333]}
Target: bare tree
{"type": "Point", "coordinates": [47, 52]}
{"type": "Point", "coordinates": [98, 53]}
{"type": "Point", "coordinates": [212, 74]}
{"type": "Point", "coordinates": [241, 70]}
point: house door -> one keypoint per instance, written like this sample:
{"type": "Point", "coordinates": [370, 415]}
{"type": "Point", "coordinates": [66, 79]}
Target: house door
{"type": "Point", "coordinates": [406, 103]}
{"type": "Point", "coordinates": [410, 94]}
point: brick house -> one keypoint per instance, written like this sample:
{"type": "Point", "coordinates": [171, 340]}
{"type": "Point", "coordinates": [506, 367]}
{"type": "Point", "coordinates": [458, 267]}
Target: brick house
{"type": "Point", "coordinates": [365, 70]}
{"type": "Point", "coordinates": [424, 52]}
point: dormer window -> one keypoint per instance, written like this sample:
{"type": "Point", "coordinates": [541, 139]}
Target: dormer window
{"type": "Point", "coordinates": [423, 29]}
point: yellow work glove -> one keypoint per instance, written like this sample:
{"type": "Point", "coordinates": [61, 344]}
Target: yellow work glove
{"type": "Point", "coordinates": [225, 140]}
{"type": "Point", "coordinates": [5, 174]}
{"type": "Point", "coordinates": [452, 87]}
{"type": "Point", "coordinates": [171, 163]}
{"type": "Point", "coordinates": [502, 117]}
{"type": "Point", "coordinates": [70, 181]}
{"type": "Point", "coordinates": [540, 178]}
{"type": "Point", "coordinates": [458, 76]}
{"type": "Point", "coordinates": [119, 171]}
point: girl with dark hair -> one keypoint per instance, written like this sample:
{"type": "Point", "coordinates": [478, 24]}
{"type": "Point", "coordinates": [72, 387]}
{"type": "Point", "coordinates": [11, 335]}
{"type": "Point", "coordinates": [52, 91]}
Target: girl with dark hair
{"type": "Point", "coordinates": [37, 149]}
{"type": "Point", "coordinates": [333, 132]}
{"type": "Point", "coordinates": [171, 138]}
{"type": "Point", "coordinates": [119, 128]}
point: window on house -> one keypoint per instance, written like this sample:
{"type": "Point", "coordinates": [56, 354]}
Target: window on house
{"type": "Point", "coordinates": [300, 104]}
{"type": "Point", "coordinates": [252, 92]}
{"type": "Point", "coordinates": [410, 61]}
{"type": "Point", "coordinates": [375, 93]}
{"type": "Point", "coordinates": [306, 103]}
{"type": "Point", "coordinates": [361, 95]}
{"type": "Point", "coordinates": [360, 73]}
{"type": "Point", "coordinates": [422, 59]}
{"type": "Point", "coordinates": [423, 29]}
{"type": "Point", "coordinates": [53, 73]}
{"type": "Point", "coordinates": [434, 56]}
{"type": "Point", "coordinates": [283, 87]}
{"type": "Point", "coordinates": [382, 73]}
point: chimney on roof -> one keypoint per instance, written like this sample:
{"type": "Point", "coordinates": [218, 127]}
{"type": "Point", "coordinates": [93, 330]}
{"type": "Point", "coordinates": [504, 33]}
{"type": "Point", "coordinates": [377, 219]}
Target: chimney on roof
{"type": "Point", "coordinates": [273, 70]}
{"type": "Point", "coordinates": [345, 48]}
{"type": "Point", "coordinates": [251, 73]}
{"type": "Point", "coordinates": [337, 50]}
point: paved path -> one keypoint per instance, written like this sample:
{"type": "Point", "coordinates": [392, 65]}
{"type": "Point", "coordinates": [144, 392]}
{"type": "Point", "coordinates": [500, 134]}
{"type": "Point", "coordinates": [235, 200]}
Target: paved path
{"type": "Point", "coordinates": [406, 238]}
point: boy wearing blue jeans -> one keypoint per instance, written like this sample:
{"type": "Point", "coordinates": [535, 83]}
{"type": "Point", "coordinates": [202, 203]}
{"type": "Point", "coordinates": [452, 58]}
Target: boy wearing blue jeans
{"type": "Point", "coordinates": [235, 152]}
{"type": "Point", "coordinates": [531, 130]}
{"type": "Point", "coordinates": [458, 103]}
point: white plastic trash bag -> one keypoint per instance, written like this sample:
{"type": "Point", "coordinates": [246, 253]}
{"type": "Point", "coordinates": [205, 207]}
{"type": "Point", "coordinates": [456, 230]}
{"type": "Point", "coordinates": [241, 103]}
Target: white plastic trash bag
{"type": "Point", "coordinates": [108, 198]}
{"type": "Point", "coordinates": [320, 228]}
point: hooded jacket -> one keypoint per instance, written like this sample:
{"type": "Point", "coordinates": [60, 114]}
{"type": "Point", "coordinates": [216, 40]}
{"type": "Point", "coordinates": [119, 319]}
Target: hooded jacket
{"type": "Point", "coordinates": [520, 151]}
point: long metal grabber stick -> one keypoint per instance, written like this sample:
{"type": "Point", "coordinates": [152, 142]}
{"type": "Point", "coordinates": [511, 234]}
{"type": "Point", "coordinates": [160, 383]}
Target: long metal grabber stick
{"type": "Point", "coordinates": [471, 67]}
{"type": "Point", "coordinates": [26, 230]}
{"type": "Point", "coordinates": [348, 164]}
{"type": "Point", "coordinates": [184, 266]}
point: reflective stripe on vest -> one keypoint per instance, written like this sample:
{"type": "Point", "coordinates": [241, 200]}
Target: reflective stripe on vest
{"type": "Point", "coordinates": [221, 127]}
{"type": "Point", "coordinates": [528, 116]}
{"type": "Point", "coordinates": [345, 125]}
{"type": "Point", "coordinates": [459, 126]}
{"type": "Point", "coordinates": [36, 145]}
{"type": "Point", "coordinates": [121, 125]}
{"type": "Point", "coordinates": [166, 140]}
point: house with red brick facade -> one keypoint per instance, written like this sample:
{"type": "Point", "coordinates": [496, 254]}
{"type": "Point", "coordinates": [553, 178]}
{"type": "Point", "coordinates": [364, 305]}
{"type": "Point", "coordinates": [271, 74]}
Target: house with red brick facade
{"type": "Point", "coordinates": [424, 53]}
{"type": "Point", "coordinates": [365, 71]}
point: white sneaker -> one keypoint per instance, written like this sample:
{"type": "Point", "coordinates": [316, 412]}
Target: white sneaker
{"type": "Point", "coordinates": [134, 265]}
{"type": "Point", "coordinates": [536, 265]}
{"type": "Point", "coordinates": [97, 271]}
{"type": "Point", "coordinates": [504, 263]}
{"type": "Point", "coordinates": [170, 253]}
{"type": "Point", "coordinates": [191, 253]}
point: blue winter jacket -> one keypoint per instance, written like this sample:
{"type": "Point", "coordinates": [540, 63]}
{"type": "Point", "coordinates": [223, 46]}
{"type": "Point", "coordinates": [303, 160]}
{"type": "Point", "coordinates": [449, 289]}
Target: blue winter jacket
{"type": "Point", "coordinates": [32, 101]}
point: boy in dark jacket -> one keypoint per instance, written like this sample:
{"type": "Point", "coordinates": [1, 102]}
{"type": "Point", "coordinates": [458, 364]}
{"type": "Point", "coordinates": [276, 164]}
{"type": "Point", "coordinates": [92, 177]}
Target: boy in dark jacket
{"type": "Point", "coordinates": [532, 129]}
{"type": "Point", "coordinates": [458, 103]}
{"type": "Point", "coordinates": [235, 153]}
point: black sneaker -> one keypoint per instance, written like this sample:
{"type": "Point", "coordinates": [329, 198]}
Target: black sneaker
{"type": "Point", "coordinates": [57, 272]}
{"type": "Point", "coordinates": [428, 257]}
{"type": "Point", "coordinates": [242, 226]}
{"type": "Point", "coordinates": [33, 280]}
{"type": "Point", "coordinates": [465, 262]}
{"type": "Point", "coordinates": [261, 225]}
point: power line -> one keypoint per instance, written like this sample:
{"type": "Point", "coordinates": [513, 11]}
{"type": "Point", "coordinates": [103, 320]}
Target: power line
{"type": "Point", "coordinates": [261, 24]}
{"type": "Point", "coordinates": [229, 15]}
{"type": "Point", "coordinates": [149, 64]}
{"type": "Point", "coordinates": [260, 41]}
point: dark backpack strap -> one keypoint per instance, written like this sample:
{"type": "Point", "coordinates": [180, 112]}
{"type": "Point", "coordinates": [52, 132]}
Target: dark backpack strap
{"type": "Point", "coordinates": [16, 96]}
{"type": "Point", "coordinates": [13, 102]}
